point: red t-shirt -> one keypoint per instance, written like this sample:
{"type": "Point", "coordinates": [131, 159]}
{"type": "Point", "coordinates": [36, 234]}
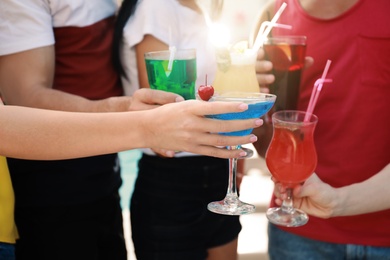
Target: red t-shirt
{"type": "Point", "coordinates": [77, 71]}
{"type": "Point", "coordinates": [353, 132]}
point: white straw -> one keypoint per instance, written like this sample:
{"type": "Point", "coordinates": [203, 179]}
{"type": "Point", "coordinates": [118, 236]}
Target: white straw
{"type": "Point", "coordinates": [267, 29]}
{"type": "Point", "coordinates": [274, 19]}
{"type": "Point", "coordinates": [172, 52]}
{"type": "Point", "coordinates": [259, 40]}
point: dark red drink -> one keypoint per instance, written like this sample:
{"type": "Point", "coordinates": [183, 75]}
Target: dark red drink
{"type": "Point", "coordinates": [288, 60]}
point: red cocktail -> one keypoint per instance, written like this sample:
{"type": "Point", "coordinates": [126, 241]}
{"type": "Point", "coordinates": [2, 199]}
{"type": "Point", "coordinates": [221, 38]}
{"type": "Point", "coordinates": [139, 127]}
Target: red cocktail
{"type": "Point", "coordinates": [291, 158]}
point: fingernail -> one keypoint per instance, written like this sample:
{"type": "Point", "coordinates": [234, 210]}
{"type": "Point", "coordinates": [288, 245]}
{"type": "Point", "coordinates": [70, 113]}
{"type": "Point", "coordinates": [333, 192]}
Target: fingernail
{"type": "Point", "coordinates": [242, 154]}
{"type": "Point", "coordinates": [169, 153]}
{"type": "Point", "coordinates": [243, 106]}
{"type": "Point", "coordinates": [253, 138]}
{"type": "Point", "coordinates": [268, 65]}
{"type": "Point", "coordinates": [259, 122]}
{"type": "Point", "coordinates": [179, 99]}
{"type": "Point", "coordinates": [270, 78]}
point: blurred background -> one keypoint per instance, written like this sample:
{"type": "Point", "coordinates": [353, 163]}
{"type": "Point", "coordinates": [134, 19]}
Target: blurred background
{"type": "Point", "coordinates": [256, 187]}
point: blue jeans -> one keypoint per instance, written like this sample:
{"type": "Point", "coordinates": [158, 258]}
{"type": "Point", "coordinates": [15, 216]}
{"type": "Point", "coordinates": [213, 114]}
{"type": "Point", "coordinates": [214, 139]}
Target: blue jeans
{"type": "Point", "coordinates": [284, 245]}
{"type": "Point", "coordinates": [7, 251]}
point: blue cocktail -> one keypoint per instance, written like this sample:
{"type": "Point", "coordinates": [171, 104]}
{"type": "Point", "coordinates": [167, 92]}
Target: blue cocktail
{"type": "Point", "coordinates": [258, 105]}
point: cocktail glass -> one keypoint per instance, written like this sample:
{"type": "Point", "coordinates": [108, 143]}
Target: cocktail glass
{"type": "Point", "coordinates": [291, 158]}
{"type": "Point", "coordinates": [178, 77]}
{"type": "Point", "coordinates": [236, 72]}
{"type": "Point", "coordinates": [259, 104]}
{"type": "Point", "coordinates": [287, 54]}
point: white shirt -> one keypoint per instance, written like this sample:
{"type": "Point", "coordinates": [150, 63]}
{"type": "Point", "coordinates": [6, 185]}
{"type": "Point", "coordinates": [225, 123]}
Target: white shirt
{"type": "Point", "coordinates": [28, 24]}
{"type": "Point", "coordinates": [173, 24]}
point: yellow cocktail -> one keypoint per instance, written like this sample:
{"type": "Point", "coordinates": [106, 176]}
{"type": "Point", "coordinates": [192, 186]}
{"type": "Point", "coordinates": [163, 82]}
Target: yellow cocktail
{"type": "Point", "coordinates": [236, 71]}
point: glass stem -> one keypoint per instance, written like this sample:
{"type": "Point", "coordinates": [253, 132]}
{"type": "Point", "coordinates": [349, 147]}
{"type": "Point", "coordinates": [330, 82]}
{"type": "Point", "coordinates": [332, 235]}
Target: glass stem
{"type": "Point", "coordinates": [287, 205]}
{"type": "Point", "coordinates": [232, 186]}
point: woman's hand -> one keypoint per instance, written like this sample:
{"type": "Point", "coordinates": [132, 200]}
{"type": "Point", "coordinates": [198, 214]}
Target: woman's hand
{"type": "Point", "coordinates": [189, 130]}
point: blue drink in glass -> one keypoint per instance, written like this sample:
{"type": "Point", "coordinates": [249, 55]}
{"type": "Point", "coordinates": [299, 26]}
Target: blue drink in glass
{"type": "Point", "coordinates": [258, 105]}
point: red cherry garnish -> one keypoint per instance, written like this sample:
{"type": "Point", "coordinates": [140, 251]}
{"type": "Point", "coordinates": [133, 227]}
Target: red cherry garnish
{"type": "Point", "coordinates": [206, 91]}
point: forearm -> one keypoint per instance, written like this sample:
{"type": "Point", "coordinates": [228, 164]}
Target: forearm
{"type": "Point", "coordinates": [365, 197]}
{"type": "Point", "coordinates": [44, 134]}
{"type": "Point", "coordinates": [47, 98]}
{"type": "Point", "coordinates": [32, 85]}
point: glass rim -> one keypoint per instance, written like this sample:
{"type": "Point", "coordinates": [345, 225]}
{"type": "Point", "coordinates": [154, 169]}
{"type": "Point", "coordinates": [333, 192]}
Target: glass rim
{"type": "Point", "coordinates": [244, 96]}
{"type": "Point", "coordinates": [313, 118]}
{"type": "Point", "coordinates": [165, 54]}
{"type": "Point", "coordinates": [297, 39]}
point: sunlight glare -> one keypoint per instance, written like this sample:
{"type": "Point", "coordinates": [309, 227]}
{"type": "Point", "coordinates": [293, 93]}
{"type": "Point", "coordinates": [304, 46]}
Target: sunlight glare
{"type": "Point", "coordinates": [219, 35]}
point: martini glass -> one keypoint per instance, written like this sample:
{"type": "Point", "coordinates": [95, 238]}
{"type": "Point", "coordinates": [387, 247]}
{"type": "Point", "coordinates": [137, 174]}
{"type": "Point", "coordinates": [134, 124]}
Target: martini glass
{"type": "Point", "coordinates": [291, 158]}
{"type": "Point", "coordinates": [258, 105]}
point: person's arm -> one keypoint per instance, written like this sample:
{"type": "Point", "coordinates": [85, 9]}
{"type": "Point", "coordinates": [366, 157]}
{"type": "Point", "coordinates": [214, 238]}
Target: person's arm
{"type": "Point", "coordinates": [26, 79]}
{"type": "Point", "coordinates": [322, 200]}
{"type": "Point", "coordinates": [30, 133]}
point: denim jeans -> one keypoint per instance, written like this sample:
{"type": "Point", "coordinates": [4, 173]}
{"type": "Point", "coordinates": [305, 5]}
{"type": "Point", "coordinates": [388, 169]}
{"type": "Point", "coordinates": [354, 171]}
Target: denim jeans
{"type": "Point", "coordinates": [7, 251]}
{"type": "Point", "coordinates": [284, 245]}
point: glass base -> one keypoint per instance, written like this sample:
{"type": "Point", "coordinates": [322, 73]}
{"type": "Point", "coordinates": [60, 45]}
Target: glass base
{"type": "Point", "coordinates": [230, 206]}
{"type": "Point", "coordinates": [279, 217]}
{"type": "Point", "coordinates": [249, 153]}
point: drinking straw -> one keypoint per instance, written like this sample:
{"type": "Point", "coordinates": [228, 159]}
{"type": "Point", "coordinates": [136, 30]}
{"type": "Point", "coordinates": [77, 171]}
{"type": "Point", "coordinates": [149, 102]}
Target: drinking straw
{"type": "Point", "coordinates": [266, 24]}
{"type": "Point", "coordinates": [316, 91]}
{"type": "Point", "coordinates": [262, 35]}
{"type": "Point", "coordinates": [172, 51]}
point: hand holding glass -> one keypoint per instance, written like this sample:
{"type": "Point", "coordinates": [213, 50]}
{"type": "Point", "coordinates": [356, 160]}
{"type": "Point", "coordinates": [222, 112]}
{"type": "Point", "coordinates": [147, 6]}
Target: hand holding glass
{"type": "Point", "coordinates": [258, 105]}
{"type": "Point", "coordinates": [291, 158]}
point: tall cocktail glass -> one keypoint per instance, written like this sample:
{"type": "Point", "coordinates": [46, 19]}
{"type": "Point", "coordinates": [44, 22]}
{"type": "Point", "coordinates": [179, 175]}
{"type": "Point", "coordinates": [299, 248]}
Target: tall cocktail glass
{"type": "Point", "coordinates": [287, 54]}
{"type": "Point", "coordinates": [291, 158]}
{"type": "Point", "coordinates": [259, 104]}
{"type": "Point", "coordinates": [180, 78]}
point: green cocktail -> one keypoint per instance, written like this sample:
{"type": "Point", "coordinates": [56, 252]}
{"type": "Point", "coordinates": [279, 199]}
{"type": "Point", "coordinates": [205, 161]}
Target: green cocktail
{"type": "Point", "coordinates": [178, 77]}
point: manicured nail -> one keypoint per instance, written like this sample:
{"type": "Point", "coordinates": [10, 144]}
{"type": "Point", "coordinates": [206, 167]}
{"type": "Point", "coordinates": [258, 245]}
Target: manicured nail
{"type": "Point", "coordinates": [243, 106]}
{"type": "Point", "coordinates": [169, 153]}
{"type": "Point", "coordinates": [179, 99]}
{"type": "Point", "coordinates": [242, 154]}
{"type": "Point", "coordinates": [259, 122]}
{"type": "Point", "coordinates": [253, 138]}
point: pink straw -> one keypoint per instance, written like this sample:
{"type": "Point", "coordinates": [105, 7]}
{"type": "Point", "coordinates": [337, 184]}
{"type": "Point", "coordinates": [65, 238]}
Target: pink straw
{"type": "Point", "coordinates": [316, 91]}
